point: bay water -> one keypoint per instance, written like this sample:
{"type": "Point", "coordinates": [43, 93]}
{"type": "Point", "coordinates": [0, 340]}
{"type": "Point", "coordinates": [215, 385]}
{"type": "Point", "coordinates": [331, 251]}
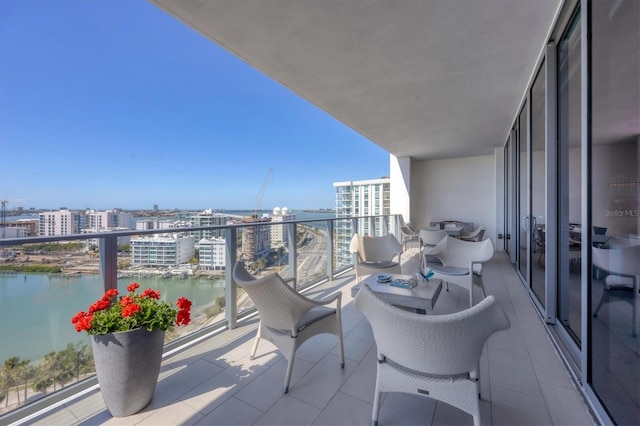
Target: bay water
{"type": "Point", "coordinates": [36, 309]}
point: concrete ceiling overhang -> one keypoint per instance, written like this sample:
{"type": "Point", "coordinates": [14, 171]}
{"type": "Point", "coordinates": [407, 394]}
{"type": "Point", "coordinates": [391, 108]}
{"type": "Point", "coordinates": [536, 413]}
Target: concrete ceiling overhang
{"type": "Point", "coordinates": [425, 79]}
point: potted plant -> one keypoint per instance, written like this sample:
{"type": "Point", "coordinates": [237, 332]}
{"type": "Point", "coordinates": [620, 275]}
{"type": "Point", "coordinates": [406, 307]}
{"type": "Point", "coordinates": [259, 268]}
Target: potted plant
{"type": "Point", "coordinates": [127, 338]}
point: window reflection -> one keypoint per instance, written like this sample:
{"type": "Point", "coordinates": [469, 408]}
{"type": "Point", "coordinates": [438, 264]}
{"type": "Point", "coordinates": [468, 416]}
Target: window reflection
{"type": "Point", "coordinates": [615, 207]}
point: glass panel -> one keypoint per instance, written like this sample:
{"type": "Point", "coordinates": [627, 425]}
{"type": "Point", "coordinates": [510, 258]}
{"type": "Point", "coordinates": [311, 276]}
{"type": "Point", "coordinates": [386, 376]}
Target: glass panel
{"type": "Point", "coordinates": [538, 192]}
{"type": "Point", "coordinates": [39, 345]}
{"type": "Point", "coordinates": [615, 208]}
{"type": "Point", "coordinates": [523, 192]}
{"type": "Point", "coordinates": [507, 200]}
{"type": "Point", "coordinates": [569, 181]}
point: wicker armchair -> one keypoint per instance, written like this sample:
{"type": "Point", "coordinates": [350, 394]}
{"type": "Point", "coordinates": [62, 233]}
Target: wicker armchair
{"type": "Point", "coordinates": [287, 318]}
{"type": "Point", "coordinates": [430, 355]}
{"type": "Point", "coordinates": [461, 262]}
{"type": "Point", "coordinates": [376, 255]}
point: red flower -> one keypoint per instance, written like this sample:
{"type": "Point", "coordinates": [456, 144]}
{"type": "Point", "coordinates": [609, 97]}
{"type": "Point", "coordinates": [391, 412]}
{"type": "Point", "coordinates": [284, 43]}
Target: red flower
{"type": "Point", "coordinates": [100, 305]}
{"type": "Point", "coordinates": [82, 321]}
{"type": "Point", "coordinates": [78, 316]}
{"type": "Point", "coordinates": [110, 293]}
{"type": "Point", "coordinates": [151, 293]}
{"type": "Point", "coordinates": [183, 303]}
{"type": "Point", "coordinates": [130, 310]}
{"type": "Point", "coordinates": [132, 287]}
{"type": "Point", "coordinates": [126, 300]}
{"type": "Point", "coordinates": [183, 318]}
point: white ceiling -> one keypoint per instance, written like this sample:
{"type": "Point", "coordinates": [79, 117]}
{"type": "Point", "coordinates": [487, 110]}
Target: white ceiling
{"type": "Point", "coordinates": [421, 78]}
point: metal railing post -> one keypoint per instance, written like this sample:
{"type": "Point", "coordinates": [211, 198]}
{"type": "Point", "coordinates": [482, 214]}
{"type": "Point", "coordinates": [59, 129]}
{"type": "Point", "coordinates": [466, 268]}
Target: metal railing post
{"type": "Point", "coordinates": [230, 290]}
{"type": "Point", "coordinates": [109, 261]}
{"type": "Point", "coordinates": [293, 253]}
{"type": "Point", "coordinates": [330, 250]}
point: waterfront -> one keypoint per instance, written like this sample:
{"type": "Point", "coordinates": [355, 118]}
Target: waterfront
{"type": "Point", "coordinates": [36, 309]}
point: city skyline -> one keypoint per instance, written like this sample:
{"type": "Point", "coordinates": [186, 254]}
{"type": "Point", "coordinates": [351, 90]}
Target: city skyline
{"type": "Point", "coordinates": [117, 104]}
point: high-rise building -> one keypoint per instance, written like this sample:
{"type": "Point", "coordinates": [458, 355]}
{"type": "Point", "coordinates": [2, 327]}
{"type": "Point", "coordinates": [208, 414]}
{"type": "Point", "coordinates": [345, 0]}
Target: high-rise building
{"type": "Point", "coordinates": [354, 199]}
{"type": "Point", "coordinates": [279, 237]}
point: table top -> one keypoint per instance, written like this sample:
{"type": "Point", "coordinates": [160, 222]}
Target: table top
{"type": "Point", "coordinates": [422, 297]}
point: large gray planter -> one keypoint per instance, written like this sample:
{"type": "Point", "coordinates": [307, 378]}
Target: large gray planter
{"type": "Point", "coordinates": [127, 365]}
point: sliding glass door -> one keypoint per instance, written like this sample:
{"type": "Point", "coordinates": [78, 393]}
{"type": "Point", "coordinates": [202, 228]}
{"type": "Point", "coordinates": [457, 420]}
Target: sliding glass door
{"type": "Point", "coordinates": [569, 180]}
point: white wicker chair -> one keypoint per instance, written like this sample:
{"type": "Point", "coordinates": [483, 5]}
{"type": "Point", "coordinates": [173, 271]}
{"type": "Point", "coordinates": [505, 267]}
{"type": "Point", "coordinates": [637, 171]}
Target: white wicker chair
{"type": "Point", "coordinates": [376, 255]}
{"type": "Point", "coordinates": [287, 318]}
{"type": "Point", "coordinates": [431, 355]}
{"type": "Point", "coordinates": [428, 240]}
{"type": "Point", "coordinates": [461, 262]}
{"type": "Point", "coordinates": [409, 235]}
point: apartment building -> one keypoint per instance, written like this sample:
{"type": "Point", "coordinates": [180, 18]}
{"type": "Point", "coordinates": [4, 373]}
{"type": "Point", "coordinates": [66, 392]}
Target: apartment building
{"type": "Point", "coordinates": [208, 218]}
{"type": "Point", "coordinates": [61, 222]}
{"type": "Point", "coordinates": [163, 250]}
{"type": "Point", "coordinates": [212, 254]}
{"type": "Point", "coordinates": [279, 236]}
{"type": "Point", "coordinates": [148, 224]}
{"type": "Point", "coordinates": [107, 219]}
{"type": "Point", "coordinates": [13, 232]}
{"type": "Point", "coordinates": [359, 198]}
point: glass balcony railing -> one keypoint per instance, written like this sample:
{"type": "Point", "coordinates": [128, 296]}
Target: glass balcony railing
{"type": "Point", "coordinates": [44, 281]}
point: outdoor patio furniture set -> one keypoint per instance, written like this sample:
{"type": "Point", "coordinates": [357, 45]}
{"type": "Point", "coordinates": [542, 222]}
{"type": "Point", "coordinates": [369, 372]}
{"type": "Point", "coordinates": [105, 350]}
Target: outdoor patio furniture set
{"type": "Point", "coordinates": [429, 355]}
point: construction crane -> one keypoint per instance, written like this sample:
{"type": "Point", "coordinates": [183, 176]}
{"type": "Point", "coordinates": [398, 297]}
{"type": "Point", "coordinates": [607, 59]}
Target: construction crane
{"type": "Point", "coordinates": [261, 193]}
{"type": "Point", "coordinates": [3, 210]}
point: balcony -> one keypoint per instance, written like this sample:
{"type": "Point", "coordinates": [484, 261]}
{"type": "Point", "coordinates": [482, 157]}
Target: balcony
{"type": "Point", "coordinates": [211, 380]}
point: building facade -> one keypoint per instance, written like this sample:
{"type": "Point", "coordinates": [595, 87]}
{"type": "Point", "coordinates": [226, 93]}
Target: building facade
{"type": "Point", "coordinates": [354, 199]}
{"type": "Point", "coordinates": [279, 236]}
{"type": "Point", "coordinates": [61, 222]}
{"type": "Point", "coordinates": [208, 218]}
{"type": "Point", "coordinates": [107, 219]}
{"type": "Point", "coordinates": [165, 250]}
{"type": "Point", "coordinates": [212, 254]}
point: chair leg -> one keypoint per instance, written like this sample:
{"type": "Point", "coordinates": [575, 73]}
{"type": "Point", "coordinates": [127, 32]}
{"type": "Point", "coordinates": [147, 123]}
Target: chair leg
{"type": "Point", "coordinates": [376, 408]}
{"type": "Point", "coordinates": [287, 377]}
{"type": "Point", "coordinates": [603, 300]}
{"type": "Point", "coordinates": [340, 343]}
{"type": "Point", "coordinates": [255, 343]}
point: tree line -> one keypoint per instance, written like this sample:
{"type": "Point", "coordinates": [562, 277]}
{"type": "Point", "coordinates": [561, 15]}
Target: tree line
{"type": "Point", "coordinates": [56, 369]}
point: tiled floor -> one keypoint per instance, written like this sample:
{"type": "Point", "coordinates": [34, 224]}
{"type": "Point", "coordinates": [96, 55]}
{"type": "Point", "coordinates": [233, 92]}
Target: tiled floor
{"type": "Point", "coordinates": [215, 383]}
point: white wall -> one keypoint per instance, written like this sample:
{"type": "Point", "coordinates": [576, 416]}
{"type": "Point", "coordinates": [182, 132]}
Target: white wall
{"type": "Point", "coordinates": [455, 189]}
{"type": "Point", "coordinates": [400, 186]}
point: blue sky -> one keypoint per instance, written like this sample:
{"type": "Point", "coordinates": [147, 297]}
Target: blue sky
{"type": "Point", "coordinates": [114, 103]}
